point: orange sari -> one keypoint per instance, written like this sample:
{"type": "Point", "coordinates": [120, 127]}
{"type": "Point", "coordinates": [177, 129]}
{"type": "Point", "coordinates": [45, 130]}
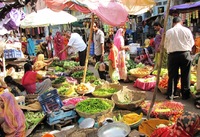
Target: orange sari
{"type": "Point", "coordinates": [14, 124]}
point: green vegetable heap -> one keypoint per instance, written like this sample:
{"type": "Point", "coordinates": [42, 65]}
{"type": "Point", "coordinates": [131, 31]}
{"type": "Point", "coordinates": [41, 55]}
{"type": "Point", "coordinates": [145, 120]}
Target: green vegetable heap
{"type": "Point", "coordinates": [59, 80]}
{"type": "Point", "coordinates": [32, 119]}
{"type": "Point", "coordinates": [79, 74]}
{"type": "Point", "coordinates": [70, 64]}
{"type": "Point", "coordinates": [93, 105]}
{"type": "Point", "coordinates": [105, 91]}
{"type": "Point", "coordinates": [130, 64]}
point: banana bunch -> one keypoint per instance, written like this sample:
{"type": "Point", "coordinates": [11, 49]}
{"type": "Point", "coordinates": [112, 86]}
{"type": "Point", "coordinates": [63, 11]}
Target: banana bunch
{"type": "Point", "coordinates": [71, 92]}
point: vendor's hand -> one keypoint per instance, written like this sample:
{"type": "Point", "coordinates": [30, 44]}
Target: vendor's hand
{"type": "Point", "coordinates": [101, 59]}
{"type": "Point", "coordinates": [127, 48]}
{"type": "Point", "coordinates": [60, 52]}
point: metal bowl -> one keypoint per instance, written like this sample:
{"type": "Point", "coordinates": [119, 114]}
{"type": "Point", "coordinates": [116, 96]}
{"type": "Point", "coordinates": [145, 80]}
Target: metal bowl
{"type": "Point", "coordinates": [87, 123]}
{"type": "Point", "coordinates": [116, 129]}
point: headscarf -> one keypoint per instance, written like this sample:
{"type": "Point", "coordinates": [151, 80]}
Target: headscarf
{"type": "Point", "coordinates": [39, 64]}
{"type": "Point", "coordinates": [14, 124]}
{"type": "Point", "coordinates": [58, 39]}
{"type": "Point", "coordinates": [186, 126]}
{"type": "Point", "coordinates": [119, 39]}
{"type": "Point", "coordinates": [40, 57]}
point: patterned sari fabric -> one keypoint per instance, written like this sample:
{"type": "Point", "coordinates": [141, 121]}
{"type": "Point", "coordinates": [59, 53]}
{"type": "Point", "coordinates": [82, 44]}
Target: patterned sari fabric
{"type": "Point", "coordinates": [14, 124]}
{"type": "Point", "coordinates": [118, 42]}
{"type": "Point", "coordinates": [186, 126]}
{"type": "Point", "coordinates": [59, 45]}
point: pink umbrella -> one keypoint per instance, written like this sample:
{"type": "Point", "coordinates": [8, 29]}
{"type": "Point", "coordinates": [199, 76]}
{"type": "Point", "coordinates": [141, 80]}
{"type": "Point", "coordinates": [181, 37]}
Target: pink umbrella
{"type": "Point", "coordinates": [107, 10]}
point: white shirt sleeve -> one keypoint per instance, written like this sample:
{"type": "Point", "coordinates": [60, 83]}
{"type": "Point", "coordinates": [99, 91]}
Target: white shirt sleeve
{"type": "Point", "coordinates": [71, 41]}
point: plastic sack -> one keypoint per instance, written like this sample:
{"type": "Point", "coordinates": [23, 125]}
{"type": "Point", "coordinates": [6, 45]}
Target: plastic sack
{"type": "Point", "coordinates": [115, 75]}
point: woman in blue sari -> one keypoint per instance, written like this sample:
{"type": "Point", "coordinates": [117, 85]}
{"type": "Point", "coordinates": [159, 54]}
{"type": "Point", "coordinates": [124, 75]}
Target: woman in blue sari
{"type": "Point", "coordinates": [30, 46]}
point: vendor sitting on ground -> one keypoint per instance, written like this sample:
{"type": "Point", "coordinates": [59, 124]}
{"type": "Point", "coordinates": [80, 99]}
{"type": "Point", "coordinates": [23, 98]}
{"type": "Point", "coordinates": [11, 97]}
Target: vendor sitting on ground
{"type": "Point", "coordinates": [144, 58]}
{"type": "Point", "coordinates": [33, 82]}
{"type": "Point", "coordinates": [12, 119]}
{"type": "Point", "coordinates": [16, 88]}
{"type": "Point", "coordinates": [40, 63]}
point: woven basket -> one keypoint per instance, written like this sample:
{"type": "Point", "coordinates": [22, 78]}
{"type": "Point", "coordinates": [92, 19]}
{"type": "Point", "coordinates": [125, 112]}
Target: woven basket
{"type": "Point", "coordinates": [132, 78]}
{"type": "Point", "coordinates": [86, 115]}
{"type": "Point", "coordinates": [134, 72]}
{"type": "Point", "coordinates": [30, 98]}
{"type": "Point", "coordinates": [162, 90]}
{"type": "Point", "coordinates": [102, 118]}
{"type": "Point", "coordinates": [57, 85]}
{"type": "Point", "coordinates": [136, 99]}
{"type": "Point", "coordinates": [106, 86]}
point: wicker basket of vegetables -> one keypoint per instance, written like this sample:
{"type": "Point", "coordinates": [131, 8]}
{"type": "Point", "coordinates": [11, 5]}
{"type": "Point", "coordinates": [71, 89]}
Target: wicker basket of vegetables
{"type": "Point", "coordinates": [106, 90]}
{"type": "Point", "coordinates": [139, 72]}
{"type": "Point", "coordinates": [128, 99]}
{"type": "Point", "coordinates": [58, 82]}
{"type": "Point", "coordinates": [93, 107]}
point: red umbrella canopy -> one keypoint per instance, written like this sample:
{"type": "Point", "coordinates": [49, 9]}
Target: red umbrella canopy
{"type": "Point", "coordinates": [109, 11]}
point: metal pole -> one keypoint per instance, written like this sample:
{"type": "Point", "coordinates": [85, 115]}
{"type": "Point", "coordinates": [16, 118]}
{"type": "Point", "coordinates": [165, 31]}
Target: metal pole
{"type": "Point", "coordinates": [160, 61]}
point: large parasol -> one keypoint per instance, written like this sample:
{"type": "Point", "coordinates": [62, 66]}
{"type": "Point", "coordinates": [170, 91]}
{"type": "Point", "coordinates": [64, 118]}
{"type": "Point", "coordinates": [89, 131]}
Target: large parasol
{"type": "Point", "coordinates": [46, 17]}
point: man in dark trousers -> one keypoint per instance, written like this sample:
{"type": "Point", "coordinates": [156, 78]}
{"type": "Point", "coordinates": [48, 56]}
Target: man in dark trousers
{"type": "Point", "coordinates": [178, 43]}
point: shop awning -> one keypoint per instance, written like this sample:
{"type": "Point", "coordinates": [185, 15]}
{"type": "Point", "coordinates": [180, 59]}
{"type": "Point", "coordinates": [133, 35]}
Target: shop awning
{"type": "Point", "coordinates": [183, 8]}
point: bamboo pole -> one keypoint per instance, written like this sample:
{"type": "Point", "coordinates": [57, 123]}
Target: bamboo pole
{"type": "Point", "coordinates": [88, 48]}
{"type": "Point", "coordinates": [160, 61]}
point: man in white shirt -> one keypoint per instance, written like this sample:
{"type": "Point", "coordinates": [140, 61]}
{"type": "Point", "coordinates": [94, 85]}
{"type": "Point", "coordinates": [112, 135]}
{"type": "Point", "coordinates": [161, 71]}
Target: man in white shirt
{"type": "Point", "coordinates": [178, 43]}
{"type": "Point", "coordinates": [76, 41]}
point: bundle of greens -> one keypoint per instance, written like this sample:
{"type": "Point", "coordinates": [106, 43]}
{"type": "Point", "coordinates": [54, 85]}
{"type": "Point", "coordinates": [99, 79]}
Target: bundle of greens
{"type": "Point", "coordinates": [93, 105]}
{"type": "Point", "coordinates": [33, 118]}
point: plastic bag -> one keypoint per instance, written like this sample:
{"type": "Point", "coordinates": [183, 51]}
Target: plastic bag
{"type": "Point", "coordinates": [115, 75]}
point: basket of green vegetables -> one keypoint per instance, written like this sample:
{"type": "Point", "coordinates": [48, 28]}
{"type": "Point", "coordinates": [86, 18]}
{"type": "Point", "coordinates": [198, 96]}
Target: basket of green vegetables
{"type": "Point", "coordinates": [94, 107]}
{"type": "Point", "coordinates": [106, 90]}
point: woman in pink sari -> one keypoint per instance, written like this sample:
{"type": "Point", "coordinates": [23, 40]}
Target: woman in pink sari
{"type": "Point", "coordinates": [119, 43]}
{"type": "Point", "coordinates": [12, 119]}
{"type": "Point", "coordinates": [59, 45]}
